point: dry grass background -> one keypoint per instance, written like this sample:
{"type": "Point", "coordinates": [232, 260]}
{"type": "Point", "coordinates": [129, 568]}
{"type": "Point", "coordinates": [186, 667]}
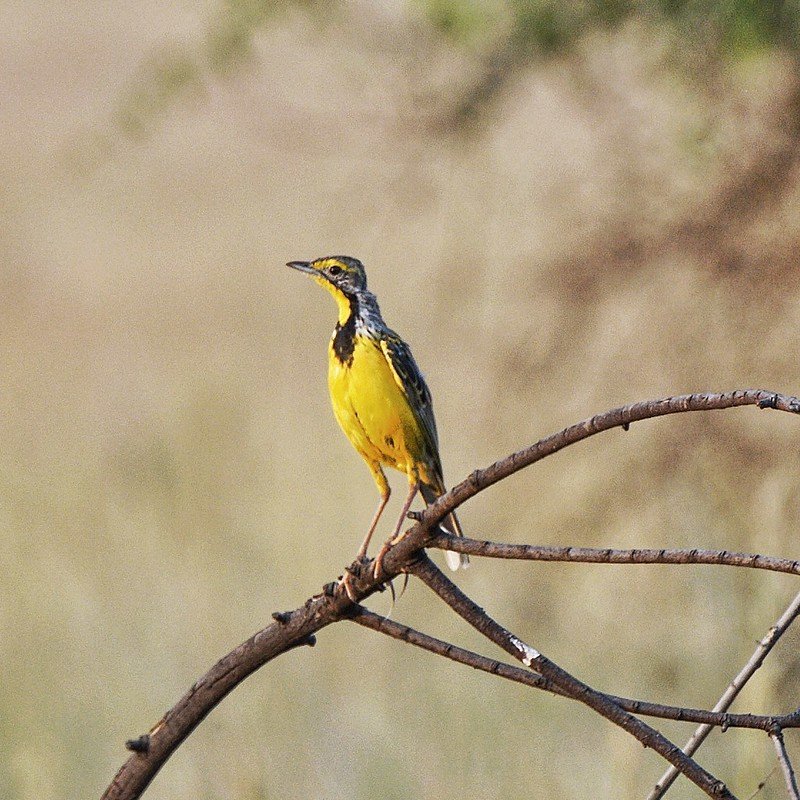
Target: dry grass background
{"type": "Point", "coordinates": [170, 472]}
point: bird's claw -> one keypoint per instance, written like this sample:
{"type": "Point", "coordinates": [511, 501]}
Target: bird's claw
{"type": "Point", "coordinates": [387, 546]}
{"type": "Point", "coordinates": [378, 569]}
{"type": "Point", "coordinates": [347, 583]}
{"type": "Point", "coordinates": [352, 571]}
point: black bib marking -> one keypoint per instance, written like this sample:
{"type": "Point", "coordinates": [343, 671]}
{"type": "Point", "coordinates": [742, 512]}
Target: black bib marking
{"type": "Point", "coordinates": [344, 337]}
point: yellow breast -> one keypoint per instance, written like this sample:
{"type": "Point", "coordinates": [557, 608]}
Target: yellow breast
{"type": "Point", "coordinates": [373, 411]}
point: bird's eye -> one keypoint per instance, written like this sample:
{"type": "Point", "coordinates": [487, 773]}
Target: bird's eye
{"type": "Point", "coordinates": [334, 270]}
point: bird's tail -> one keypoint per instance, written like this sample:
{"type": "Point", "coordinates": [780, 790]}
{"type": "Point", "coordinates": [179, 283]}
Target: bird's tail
{"type": "Point", "coordinates": [450, 524]}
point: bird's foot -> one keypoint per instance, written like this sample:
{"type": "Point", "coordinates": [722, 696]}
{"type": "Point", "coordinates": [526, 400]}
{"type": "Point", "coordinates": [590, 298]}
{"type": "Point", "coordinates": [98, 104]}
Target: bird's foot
{"type": "Point", "coordinates": [387, 546]}
{"type": "Point", "coordinates": [350, 573]}
{"type": "Point", "coordinates": [347, 583]}
{"type": "Point", "coordinates": [379, 559]}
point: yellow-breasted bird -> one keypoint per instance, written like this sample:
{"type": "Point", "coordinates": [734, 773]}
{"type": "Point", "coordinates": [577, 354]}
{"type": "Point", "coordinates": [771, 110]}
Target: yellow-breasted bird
{"type": "Point", "coordinates": [379, 396]}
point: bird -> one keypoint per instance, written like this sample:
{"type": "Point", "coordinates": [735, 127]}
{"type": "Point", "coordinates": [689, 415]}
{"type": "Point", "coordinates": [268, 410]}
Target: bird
{"type": "Point", "coordinates": [380, 398]}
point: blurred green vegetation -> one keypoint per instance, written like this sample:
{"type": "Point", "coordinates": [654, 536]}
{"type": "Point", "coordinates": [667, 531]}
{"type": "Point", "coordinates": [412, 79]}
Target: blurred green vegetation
{"type": "Point", "coordinates": [508, 31]}
{"type": "Point", "coordinates": [733, 28]}
{"type": "Point", "coordinates": [622, 222]}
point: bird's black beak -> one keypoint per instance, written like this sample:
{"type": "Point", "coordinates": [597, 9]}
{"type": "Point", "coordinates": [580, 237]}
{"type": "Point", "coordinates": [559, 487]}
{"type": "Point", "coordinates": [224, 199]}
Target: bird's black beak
{"type": "Point", "coordinates": [303, 266]}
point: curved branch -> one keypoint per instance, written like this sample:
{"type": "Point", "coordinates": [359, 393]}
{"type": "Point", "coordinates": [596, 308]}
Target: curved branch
{"type": "Point", "coordinates": [152, 750]}
{"type": "Point", "coordinates": [290, 629]}
{"type": "Point", "coordinates": [609, 555]}
{"type": "Point", "coordinates": [622, 417]}
{"type": "Point", "coordinates": [460, 655]}
{"type": "Point", "coordinates": [432, 576]}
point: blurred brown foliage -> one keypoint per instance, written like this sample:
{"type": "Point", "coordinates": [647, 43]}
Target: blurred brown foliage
{"type": "Point", "coordinates": [613, 218]}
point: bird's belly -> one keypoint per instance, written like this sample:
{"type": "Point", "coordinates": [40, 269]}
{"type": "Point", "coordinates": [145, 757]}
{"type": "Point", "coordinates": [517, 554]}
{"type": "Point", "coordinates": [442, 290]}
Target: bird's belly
{"type": "Point", "coordinates": [371, 409]}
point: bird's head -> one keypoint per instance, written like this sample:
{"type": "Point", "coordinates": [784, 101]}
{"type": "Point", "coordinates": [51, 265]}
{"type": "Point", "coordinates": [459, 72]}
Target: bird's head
{"type": "Point", "coordinates": [342, 276]}
{"type": "Point", "coordinates": [338, 274]}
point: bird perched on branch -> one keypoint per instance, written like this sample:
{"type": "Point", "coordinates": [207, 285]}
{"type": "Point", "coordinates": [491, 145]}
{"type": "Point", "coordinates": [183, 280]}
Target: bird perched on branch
{"type": "Point", "coordinates": [379, 396]}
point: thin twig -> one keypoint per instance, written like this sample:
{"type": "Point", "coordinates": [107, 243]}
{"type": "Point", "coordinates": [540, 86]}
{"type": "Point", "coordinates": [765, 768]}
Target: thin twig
{"type": "Point", "coordinates": [623, 416]}
{"type": "Point", "coordinates": [434, 578]}
{"type": "Point", "coordinates": [404, 633]}
{"type": "Point", "coordinates": [608, 555]}
{"type": "Point", "coordinates": [786, 765]}
{"type": "Point", "coordinates": [736, 685]}
{"type": "Point", "coordinates": [762, 783]}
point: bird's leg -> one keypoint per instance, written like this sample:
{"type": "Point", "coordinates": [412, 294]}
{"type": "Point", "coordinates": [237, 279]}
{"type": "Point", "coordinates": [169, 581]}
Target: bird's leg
{"type": "Point", "coordinates": [396, 536]}
{"type": "Point", "coordinates": [385, 490]}
{"type": "Point", "coordinates": [362, 552]}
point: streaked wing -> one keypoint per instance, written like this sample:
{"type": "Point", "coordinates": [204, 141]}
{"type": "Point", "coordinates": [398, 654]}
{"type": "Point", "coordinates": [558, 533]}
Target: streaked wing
{"type": "Point", "coordinates": [410, 380]}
